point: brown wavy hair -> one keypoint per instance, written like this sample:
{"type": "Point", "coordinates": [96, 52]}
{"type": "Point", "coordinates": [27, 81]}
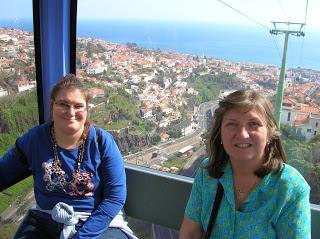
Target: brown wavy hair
{"type": "Point", "coordinates": [70, 81]}
{"type": "Point", "coordinates": [247, 99]}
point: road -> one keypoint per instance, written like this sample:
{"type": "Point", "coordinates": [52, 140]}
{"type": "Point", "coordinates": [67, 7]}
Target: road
{"type": "Point", "coordinates": [144, 157]}
{"type": "Point", "coordinates": [190, 167]}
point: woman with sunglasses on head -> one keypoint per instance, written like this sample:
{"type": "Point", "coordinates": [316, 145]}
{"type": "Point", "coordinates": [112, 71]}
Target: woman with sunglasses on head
{"type": "Point", "coordinates": [78, 172]}
{"type": "Point", "coordinates": [260, 196]}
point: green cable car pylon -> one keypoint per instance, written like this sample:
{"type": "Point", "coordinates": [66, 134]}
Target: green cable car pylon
{"type": "Point", "coordinates": [280, 90]}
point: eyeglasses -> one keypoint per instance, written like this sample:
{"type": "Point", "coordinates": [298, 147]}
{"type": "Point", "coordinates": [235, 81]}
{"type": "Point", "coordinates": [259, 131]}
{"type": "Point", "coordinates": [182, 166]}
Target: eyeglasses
{"type": "Point", "coordinates": [78, 108]}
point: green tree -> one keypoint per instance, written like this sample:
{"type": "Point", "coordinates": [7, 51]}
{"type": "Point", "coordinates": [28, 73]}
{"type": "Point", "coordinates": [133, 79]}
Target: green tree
{"type": "Point", "coordinates": [17, 115]}
{"type": "Point", "coordinates": [91, 49]}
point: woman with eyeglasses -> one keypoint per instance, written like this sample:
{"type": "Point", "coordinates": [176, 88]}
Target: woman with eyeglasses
{"type": "Point", "coordinates": [245, 189]}
{"type": "Point", "coordinates": [78, 172]}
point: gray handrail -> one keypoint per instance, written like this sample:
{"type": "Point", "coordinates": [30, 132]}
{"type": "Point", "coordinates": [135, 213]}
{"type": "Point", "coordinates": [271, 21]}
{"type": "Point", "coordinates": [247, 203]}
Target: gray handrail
{"type": "Point", "coordinates": [160, 198]}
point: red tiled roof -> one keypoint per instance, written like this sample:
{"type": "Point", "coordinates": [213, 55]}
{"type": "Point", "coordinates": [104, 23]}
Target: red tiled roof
{"type": "Point", "coordinates": [309, 109]}
{"type": "Point", "coordinates": [301, 119]}
{"type": "Point", "coordinates": [289, 101]}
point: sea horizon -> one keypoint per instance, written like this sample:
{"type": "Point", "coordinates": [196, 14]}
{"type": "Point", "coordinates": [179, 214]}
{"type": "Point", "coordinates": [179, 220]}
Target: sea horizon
{"type": "Point", "coordinates": [246, 44]}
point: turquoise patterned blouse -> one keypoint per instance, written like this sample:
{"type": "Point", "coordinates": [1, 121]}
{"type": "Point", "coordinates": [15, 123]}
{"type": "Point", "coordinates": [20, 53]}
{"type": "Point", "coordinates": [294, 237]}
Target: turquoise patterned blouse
{"type": "Point", "coordinates": [277, 208]}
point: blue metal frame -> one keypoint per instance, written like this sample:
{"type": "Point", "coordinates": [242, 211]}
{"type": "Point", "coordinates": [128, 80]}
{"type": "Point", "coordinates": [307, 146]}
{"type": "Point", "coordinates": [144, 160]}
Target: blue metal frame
{"type": "Point", "coordinates": [54, 42]}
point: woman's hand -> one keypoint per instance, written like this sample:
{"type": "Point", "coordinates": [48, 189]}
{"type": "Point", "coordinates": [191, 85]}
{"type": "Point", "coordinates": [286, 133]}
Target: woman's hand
{"type": "Point", "coordinates": [190, 229]}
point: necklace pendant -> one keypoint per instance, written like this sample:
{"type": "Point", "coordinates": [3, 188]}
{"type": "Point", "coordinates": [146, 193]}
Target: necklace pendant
{"type": "Point", "coordinates": [54, 176]}
{"type": "Point", "coordinates": [81, 184]}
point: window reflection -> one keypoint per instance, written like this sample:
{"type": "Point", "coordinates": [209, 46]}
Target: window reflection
{"type": "Point", "coordinates": [156, 79]}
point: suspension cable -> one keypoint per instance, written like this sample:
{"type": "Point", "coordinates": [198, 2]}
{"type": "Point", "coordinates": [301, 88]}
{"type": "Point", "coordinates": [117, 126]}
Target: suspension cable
{"type": "Point", "coordinates": [306, 11]}
{"type": "Point", "coordinates": [282, 9]}
{"type": "Point", "coordinates": [243, 14]}
{"type": "Point", "coordinates": [255, 21]}
{"type": "Point", "coordinates": [302, 44]}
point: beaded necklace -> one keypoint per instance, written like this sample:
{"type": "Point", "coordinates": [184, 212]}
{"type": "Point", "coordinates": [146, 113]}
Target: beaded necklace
{"type": "Point", "coordinates": [80, 151]}
{"type": "Point", "coordinates": [55, 178]}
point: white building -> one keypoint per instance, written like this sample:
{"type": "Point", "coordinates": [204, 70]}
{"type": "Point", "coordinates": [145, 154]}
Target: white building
{"type": "Point", "coordinates": [185, 127]}
{"type": "Point", "coordinates": [96, 68]}
{"type": "Point", "coordinates": [309, 127]}
{"type": "Point", "coordinates": [26, 85]}
{"type": "Point", "coordinates": [146, 113]}
{"type": "Point", "coordinates": [3, 92]}
{"type": "Point", "coordinates": [304, 118]}
{"type": "Point", "coordinates": [164, 122]}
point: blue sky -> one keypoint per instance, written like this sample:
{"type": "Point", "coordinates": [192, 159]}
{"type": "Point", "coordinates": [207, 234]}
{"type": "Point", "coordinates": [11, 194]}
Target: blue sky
{"type": "Point", "coordinates": [204, 10]}
{"type": "Point", "coordinates": [15, 9]}
{"type": "Point", "coordinates": [263, 11]}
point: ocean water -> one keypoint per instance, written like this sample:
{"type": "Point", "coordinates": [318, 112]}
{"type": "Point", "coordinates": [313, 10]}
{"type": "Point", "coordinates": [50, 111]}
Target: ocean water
{"type": "Point", "coordinates": [229, 42]}
{"type": "Point", "coordinates": [234, 43]}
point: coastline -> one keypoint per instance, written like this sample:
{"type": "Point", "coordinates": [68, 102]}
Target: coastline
{"type": "Point", "coordinates": [225, 42]}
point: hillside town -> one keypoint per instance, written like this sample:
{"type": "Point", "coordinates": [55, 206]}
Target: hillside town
{"type": "Point", "coordinates": [160, 79]}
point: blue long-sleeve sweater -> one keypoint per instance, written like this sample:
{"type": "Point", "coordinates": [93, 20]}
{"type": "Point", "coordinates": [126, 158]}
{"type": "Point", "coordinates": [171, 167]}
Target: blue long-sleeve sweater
{"type": "Point", "coordinates": [108, 175]}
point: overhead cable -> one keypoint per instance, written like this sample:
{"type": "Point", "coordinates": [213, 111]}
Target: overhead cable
{"type": "Point", "coordinates": [282, 9]}
{"type": "Point", "coordinates": [255, 21]}
{"type": "Point", "coordinates": [305, 22]}
{"type": "Point", "coordinates": [306, 11]}
{"type": "Point", "coordinates": [243, 14]}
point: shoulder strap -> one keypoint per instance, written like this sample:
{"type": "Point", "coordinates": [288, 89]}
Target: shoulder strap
{"type": "Point", "coordinates": [99, 139]}
{"type": "Point", "coordinates": [19, 153]}
{"type": "Point", "coordinates": [215, 209]}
